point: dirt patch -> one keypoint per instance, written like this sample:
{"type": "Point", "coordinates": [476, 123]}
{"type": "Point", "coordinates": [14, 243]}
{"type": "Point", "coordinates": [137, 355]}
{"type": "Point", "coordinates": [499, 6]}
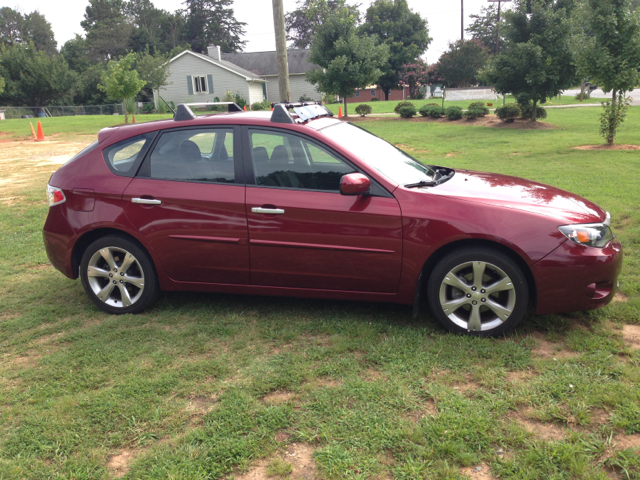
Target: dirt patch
{"type": "Point", "coordinates": [299, 455]}
{"type": "Point", "coordinates": [519, 376]}
{"type": "Point", "coordinates": [542, 430]}
{"type": "Point", "coordinates": [49, 338]}
{"type": "Point", "coordinates": [428, 409]}
{"type": "Point", "coordinates": [468, 385]}
{"type": "Point", "coordinates": [118, 464]}
{"type": "Point", "coordinates": [409, 149]}
{"type": "Point", "coordinates": [328, 382]}
{"type": "Point", "coordinates": [599, 416]}
{"type": "Point", "coordinates": [631, 336]}
{"type": "Point", "coordinates": [200, 405]}
{"type": "Point", "coordinates": [23, 361]}
{"type": "Point", "coordinates": [622, 442]}
{"type": "Point", "coordinates": [373, 375]}
{"type": "Point", "coordinates": [607, 147]}
{"type": "Point", "coordinates": [282, 437]}
{"type": "Point", "coordinates": [620, 297]}
{"type": "Point", "coordinates": [276, 398]}
{"type": "Point", "coordinates": [480, 472]}
{"type": "Point", "coordinates": [546, 349]}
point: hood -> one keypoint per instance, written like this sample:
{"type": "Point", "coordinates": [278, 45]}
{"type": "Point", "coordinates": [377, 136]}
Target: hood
{"type": "Point", "coordinates": [520, 194]}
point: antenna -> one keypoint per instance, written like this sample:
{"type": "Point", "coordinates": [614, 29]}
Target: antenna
{"type": "Point", "coordinates": [165, 102]}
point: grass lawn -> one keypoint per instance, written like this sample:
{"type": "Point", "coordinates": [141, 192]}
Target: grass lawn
{"type": "Point", "coordinates": [387, 107]}
{"type": "Point", "coordinates": [206, 386]}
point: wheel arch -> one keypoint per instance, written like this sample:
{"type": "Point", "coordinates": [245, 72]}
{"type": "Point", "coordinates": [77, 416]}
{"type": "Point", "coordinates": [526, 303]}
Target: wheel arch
{"type": "Point", "coordinates": [433, 259]}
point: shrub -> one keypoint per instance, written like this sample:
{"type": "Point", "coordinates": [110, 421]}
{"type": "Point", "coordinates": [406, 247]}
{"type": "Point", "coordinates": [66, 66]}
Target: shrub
{"type": "Point", "coordinates": [329, 99]}
{"type": "Point", "coordinates": [479, 106]}
{"type": "Point", "coordinates": [437, 112]}
{"type": "Point", "coordinates": [473, 113]}
{"type": "Point", "coordinates": [425, 110]}
{"type": "Point", "coordinates": [304, 98]}
{"type": "Point", "coordinates": [149, 107]}
{"type": "Point", "coordinates": [527, 110]}
{"type": "Point", "coordinates": [375, 99]}
{"type": "Point", "coordinates": [453, 113]}
{"type": "Point", "coordinates": [363, 109]}
{"type": "Point", "coordinates": [407, 111]}
{"type": "Point", "coordinates": [509, 112]}
{"type": "Point", "coordinates": [263, 105]}
{"type": "Point", "coordinates": [402, 104]}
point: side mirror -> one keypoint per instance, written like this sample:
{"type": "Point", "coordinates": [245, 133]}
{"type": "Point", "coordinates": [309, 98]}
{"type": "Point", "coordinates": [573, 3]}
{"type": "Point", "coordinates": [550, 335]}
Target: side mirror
{"type": "Point", "coordinates": [354, 184]}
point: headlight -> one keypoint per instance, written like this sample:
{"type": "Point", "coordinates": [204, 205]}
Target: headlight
{"type": "Point", "coordinates": [591, 235]}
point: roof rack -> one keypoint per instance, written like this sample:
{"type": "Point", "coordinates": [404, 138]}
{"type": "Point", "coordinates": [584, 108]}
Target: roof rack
{"type": "Point", "coordinates": [184, 112]}
{"type": "Point", "coordinates": [305, 111]}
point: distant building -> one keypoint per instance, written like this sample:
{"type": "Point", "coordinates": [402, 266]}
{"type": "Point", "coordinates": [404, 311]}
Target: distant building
{"type": "Point", "coordinates": [196, 78]}
{"type": "Point", "coordinates": [372, 91]}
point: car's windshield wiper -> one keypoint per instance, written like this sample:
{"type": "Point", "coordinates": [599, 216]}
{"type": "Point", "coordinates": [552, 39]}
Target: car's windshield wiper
{"type": "Point", "coordinates": [421, 184]}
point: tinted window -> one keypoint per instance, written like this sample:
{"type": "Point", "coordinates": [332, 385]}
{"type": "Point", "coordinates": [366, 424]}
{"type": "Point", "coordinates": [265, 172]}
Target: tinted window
{"type": "Point", "coordinates": [197, 155]}
{"type": "Point", "coordinates": [282, 160]}
{"type": "Point", "coordinates": [123, 156]}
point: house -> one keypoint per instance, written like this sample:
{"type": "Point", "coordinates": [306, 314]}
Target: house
{"type": "Point", "coordinates": [372, 91]}
{"type": "Point", "coordinates": [265, 64]}
{"type": "Point", "coordinates": [197, 78]}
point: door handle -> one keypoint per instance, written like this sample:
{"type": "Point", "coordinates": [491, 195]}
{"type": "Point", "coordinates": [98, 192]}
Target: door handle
{"type": "Point", "coordinates": [146, 201]}
{"type": "Point", "coordinates": [267, 211]}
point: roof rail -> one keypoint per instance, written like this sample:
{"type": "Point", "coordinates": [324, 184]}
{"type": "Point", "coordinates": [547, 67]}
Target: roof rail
{"type": "Point", "coordinates": [304, 110]}
{"type": "Point", "coordinates": [184, 112]}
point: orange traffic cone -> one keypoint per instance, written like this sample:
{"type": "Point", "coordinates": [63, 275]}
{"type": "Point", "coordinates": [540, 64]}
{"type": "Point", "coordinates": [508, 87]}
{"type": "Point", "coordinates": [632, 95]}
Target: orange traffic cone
{"type": "Point", "coordinates": [33, 132]}
{"type": "Point", "coordinates": [272, 109]}
{"type": "Point", "coordinates": [245, 108]}
{"type": "Point", "coordinates": [40, 137]}
{"type": "Point", "coordinates": [134, 118]}
{"type": "Point", "coordinates": [339, 112]}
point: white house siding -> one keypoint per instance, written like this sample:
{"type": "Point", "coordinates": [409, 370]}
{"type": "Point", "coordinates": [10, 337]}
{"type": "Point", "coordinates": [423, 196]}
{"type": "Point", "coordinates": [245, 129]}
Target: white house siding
{"type": "Point", "coordinates": [190, 65]}
{"type": "Point", "coordinates": [255, 93]}
{"type": "Point", "coordinates": [298, 86]}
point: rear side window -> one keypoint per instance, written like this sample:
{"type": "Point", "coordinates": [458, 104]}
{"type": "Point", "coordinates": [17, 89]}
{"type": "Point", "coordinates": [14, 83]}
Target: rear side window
{"type": "Point", "coordinates": [123, 158]}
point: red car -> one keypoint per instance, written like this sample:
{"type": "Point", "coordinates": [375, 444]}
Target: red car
{"type": "Point", "coordinates": [296, 203]}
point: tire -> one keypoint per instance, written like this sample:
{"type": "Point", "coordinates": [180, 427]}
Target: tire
{"type": "Point", "coordinates": [488, 307]}
{"type": "Point", "coordinates": [115, 290]}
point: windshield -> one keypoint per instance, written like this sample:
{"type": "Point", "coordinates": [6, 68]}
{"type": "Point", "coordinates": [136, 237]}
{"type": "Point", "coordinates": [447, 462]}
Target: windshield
{"type": "Point", "coordinates": [390, 161]}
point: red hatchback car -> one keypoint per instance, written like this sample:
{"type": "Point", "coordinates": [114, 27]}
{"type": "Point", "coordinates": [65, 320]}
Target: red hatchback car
{"type": "Point", "coordinates": [296, 203]}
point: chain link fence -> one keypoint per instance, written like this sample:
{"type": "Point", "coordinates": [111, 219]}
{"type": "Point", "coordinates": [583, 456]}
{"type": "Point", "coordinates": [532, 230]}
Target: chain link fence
{"type": "Point", "coordinates": [69, 111]}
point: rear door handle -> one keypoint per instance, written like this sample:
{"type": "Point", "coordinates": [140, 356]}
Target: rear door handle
{"type": "Point", "coordinates": [267, 211]}
{"type": "Point", "coordinates": [146, 201]}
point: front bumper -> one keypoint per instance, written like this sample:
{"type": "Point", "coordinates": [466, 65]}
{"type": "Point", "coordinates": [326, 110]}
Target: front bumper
{"type": "Point", "coordinates": [577, 278]}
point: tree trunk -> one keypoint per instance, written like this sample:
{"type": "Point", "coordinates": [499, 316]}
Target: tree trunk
{"type": "Point", "coordinates": [126, 114]}
{"type": "Point", "coordinates": [344, 99]}
{"type": "Point", "coordinates": [386, 94]}
{"type": "Point", "coordinates": [582, 92]}
{"type": "Point", "coordinates": [612, 121]}
{"type": "Point", "coordinates": [534, 114]}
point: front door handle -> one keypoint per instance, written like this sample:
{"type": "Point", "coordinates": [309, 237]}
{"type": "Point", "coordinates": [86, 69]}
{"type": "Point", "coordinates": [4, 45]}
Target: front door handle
{"type": "Point", "coordinates": [146, 201]}
{"type": "Point", "coordinates": [267, 211]}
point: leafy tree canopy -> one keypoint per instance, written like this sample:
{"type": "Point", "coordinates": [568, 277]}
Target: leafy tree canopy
{"type": "Point", "coordinates": [460, 65]}
{"type": "Point", "coordinates": [34, 78]}
{"type": "Point", "coordinates": [414, 75]}
{"type": "Point", "coordinates": [32, 27]}
{"type": "Point", "coordinates": [302, 23]}
{"type": "Point", "coordinates": [537, 61]}
{"type": "Point", "coordinates": [483, 27]}
{"type": "Point", "coordinates": [405, 32]}
{"type": "Point", "coordinates": [121, 81]}
{"type": "Point", "coordinates": [153, 69]}
{"type": "Point", "coordinates": [213, 22]}
{"type": "Point", "coordinates": [347, 60]}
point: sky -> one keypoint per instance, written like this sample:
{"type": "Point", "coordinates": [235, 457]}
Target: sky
{"type": "Point", "coordinates": [443, 18]}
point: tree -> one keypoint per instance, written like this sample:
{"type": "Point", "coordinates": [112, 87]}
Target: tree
{"type": "Point", "coordinates": [484, 28]}
{"type": "Point", "coordinates": [34, 78]}
{"type": "Point", "coordinates": [413, 75]}
{"type": "Point", "coordinates": [153, 69]}
{"type": "Point", "coordinates": [303, 22]}
{"type": "Point", "coordinates": [611, 56]}
{"type": "Point", "coordinates": [213, 22]}
{"type": "Point", "coordinates": [10, 23]}
{"type": "Point", "coordinates": [346, 60]}
{"type": "Point", "coordinates": [33, 27]}
{"type": "Point", "coordinates": [537, 61]}
{"type": "Point", "coordinates": [120, 81]}
{"type": "Point", "coordinates": [1, 85]}
{"type": "Point", "coordinates": [99, 11]}
{"type": "Point", "coordinates": [405, 33]}
{"type": "Point", "coordinates": [459, 66]}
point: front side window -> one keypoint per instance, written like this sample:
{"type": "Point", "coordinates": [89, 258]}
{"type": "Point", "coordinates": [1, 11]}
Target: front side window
{"type": "Point", "coordinates": [289, 161]}
{"type": "Point", "coordinates": [194, 155]}
{"type": "Point", "coordinates": [124, 157]}
{"type": "Point", "coordinates": [200, 84]}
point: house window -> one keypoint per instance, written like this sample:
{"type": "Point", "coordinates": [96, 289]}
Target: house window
{"type": "Point", "coordinates": [200, 84]}
{"type": "Point", "coordinates": [357, 93]}
{"type": "Point", "coordinates": [373, 93]}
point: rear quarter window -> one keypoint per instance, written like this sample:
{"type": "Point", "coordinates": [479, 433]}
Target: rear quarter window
{"type": "Point", "coordinates": [123, 158]}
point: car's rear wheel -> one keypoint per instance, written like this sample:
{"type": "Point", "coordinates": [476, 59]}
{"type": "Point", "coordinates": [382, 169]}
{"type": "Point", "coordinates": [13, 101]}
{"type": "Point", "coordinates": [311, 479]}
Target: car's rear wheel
{"type": "Point", "coordinates": [118, 275]}
{"type": "Point", "coordinates": [478, 291]}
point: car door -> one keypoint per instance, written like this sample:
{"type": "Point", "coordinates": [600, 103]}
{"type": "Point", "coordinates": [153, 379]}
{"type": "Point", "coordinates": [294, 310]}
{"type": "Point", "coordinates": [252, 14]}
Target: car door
{"type": "Point", "coordinates": [188, 202]}
{"type": "Point", "coordinates": [302, 232]}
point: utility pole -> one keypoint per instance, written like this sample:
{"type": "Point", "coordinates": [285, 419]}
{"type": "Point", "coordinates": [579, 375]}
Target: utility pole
{"type": "Point", "coordinates": [461, 19]}
{"type": "Point", "coordinates": [281, 51]}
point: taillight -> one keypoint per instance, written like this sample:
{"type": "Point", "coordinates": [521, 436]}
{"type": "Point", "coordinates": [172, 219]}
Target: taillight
{"type": "Point", "coordinates": [55, 196]}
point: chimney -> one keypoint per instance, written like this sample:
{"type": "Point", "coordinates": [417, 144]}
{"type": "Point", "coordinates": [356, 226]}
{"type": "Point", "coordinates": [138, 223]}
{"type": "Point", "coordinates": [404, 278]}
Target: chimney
{"type": "Point", "coordinates": [214, 52]}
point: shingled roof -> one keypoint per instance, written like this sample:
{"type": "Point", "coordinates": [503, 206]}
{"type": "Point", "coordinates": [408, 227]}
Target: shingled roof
{"type": "Point", "coordinates": [265, 63]}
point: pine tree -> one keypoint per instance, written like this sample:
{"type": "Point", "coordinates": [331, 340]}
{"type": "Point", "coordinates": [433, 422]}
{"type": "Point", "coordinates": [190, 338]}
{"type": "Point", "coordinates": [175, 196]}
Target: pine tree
{"type": "Point", "coordinates": [213, 22]}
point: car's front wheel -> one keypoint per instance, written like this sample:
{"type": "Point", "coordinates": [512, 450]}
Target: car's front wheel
{"type": "Point", "coordinates": [478, 291]}
{"type": "Point", "coordinates": [118, 275]}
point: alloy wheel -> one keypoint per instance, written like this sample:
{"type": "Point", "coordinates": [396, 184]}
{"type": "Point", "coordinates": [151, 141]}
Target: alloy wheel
{"type": "Point", "coordinates": [116, 277]}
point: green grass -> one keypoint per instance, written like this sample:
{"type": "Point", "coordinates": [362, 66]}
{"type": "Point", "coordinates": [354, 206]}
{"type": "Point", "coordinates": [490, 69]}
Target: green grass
{"type": "Point", "coordinates": [193, 388]}
{"type": "Point", "coordinates": [387, 107]}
